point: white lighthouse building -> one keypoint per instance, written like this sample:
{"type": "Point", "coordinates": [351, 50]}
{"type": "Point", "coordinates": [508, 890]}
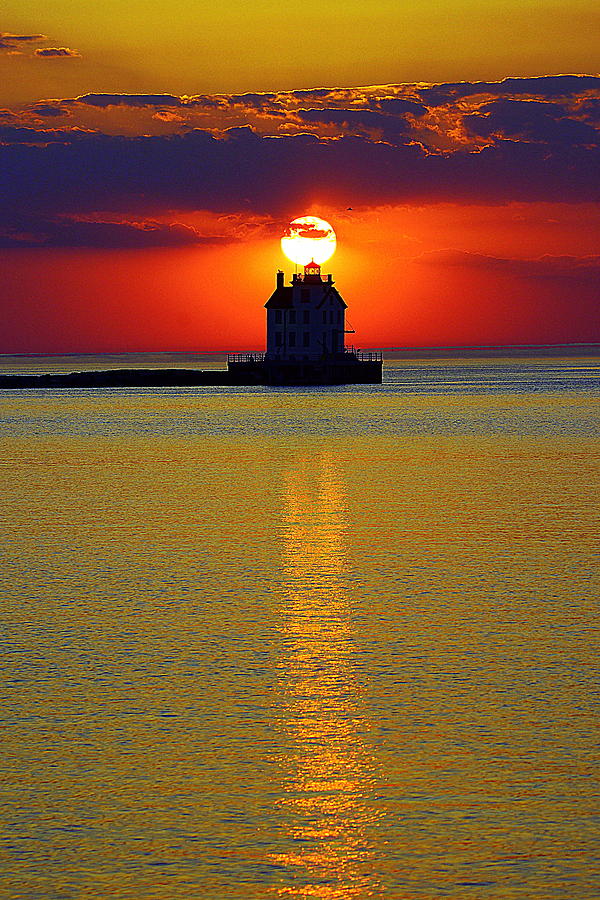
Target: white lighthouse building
{"type": "Point", "coordinates": [305, 319]}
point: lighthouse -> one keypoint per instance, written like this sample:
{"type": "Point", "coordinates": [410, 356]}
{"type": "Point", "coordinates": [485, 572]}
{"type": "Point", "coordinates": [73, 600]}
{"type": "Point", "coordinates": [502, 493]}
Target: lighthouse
{"type": "Point", "coordinates": [305, 319]}
{"type": "Point", "coordinates": [306, 322]}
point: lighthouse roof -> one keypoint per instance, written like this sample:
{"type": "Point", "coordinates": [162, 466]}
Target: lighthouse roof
{"type": "Point", "coordinates": [281, 298]}
{"type": "Point", "coordinates": [332, 294]}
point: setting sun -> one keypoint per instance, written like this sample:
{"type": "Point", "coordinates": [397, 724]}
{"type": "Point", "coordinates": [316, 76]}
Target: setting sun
{"type": "Point", "coordinates": [309, 239]}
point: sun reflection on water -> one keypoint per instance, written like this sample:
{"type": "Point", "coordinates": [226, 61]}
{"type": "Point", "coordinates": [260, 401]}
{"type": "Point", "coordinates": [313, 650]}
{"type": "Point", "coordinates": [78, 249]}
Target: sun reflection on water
{"type": "Point", "coordinates": [329, 780]}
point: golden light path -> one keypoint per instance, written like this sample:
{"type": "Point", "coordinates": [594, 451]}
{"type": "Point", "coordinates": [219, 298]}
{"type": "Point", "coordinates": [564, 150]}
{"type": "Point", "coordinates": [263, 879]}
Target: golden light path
{"type": "Point", "coordinates": [330, 779]}
{"type": "Point", "coordinates": [309, 239]}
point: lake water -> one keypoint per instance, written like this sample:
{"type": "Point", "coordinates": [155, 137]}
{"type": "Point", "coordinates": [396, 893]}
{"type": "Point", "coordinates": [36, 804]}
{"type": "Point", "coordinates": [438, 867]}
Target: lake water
{"type": "Point", "coordinates": [333, 643]}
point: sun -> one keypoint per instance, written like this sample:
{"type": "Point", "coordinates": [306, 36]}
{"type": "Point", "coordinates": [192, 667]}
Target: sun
{"type": "Point", "coordinates": [309, 239]}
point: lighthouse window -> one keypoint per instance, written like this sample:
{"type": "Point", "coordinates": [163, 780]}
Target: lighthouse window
{"type": "Point", "coordinates": [306, 316]}
{"type": "Point", "coordinates": [324, 316]}
{"type": "Point", "coordinates": [292, 316]}
{"type": "Point", "coordinates": [292, 338]}
{"type": "Point", "coordinates": [306, 339]}
{"type": "Point", "coordinates": [278, 339]}
{"type": "Point", "coordinates": [305, 295]}
{"type": "Point", "coordinates": [278, 316]}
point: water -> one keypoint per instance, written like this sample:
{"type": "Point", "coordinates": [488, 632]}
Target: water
{"type": "Point", "coordinates": [329, 643]}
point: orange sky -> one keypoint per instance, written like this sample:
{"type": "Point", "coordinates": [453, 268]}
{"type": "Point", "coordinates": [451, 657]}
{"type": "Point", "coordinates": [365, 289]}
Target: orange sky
{"type": "Point", "coordinates": [265, 45]}
{"type": "Point", "coordinates": [150, 158]}
{"type": "Point", "coordinates": [403, 284]}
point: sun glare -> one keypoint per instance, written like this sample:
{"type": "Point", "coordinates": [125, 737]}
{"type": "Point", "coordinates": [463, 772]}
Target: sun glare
{"type": "Point", "coordinates": [308, 239]}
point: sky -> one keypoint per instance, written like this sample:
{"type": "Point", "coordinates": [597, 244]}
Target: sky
{"type": "Point", "coordinates": [151, 156]}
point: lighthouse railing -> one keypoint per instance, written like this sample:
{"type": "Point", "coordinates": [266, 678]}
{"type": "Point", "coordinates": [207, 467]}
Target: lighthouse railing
{"type": "Point", "coordinates": [348, 354]}
{"type": "Point", "coordinates": [245, 357]}
{"type": "Point", "coordinates": [364, 355]}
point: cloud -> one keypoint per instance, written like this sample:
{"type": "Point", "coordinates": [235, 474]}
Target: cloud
{"type": "Point", "coordinates": [375, 150]}
{"type": "Point", "coordinates": [397, 106]}
{"type": "Point", "coordinates": [14, 44]}
{"type": "Point", "coordinates": [540, 86]}
{"type": "Point", "coordinates": [223, 102]}
{"type": "Point", "coordinates": [57, 52]}
{"type": "Point", "coordinates": [311, 93]}
{"type": "Point", "coordinates": [261, 102]}
{"type": "Point", "coordinates": [102, 235]}
{"type": "Point", "coordinates": [589, 109]}
{"type": "Point", "coordinates": [28, 134]}
{"type": "Point", "coordinates": [357, 121]}
{"type": "Point", "coordinates": [529, 120]}
{"type": "Point", "coordinates": [80, 171]}
{"type": "Point", "coordinates": [135, 100]}
{"type": "Point", "coordinates": [49, 110]}
{"type": "Point", "coordinates": [450, 117]}
{"type": "Point", "coordinates": [14, 41]}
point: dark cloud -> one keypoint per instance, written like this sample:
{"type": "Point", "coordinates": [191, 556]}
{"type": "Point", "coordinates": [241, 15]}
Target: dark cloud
{"type": "Point", "coordinates": [386, 112]}
{"type": "Point", "coordinates": [589, 109]}
{"type": "Point", "coordinates": [538, 150]}
{"type": "Point", "coordinates": [207, 101]}
{"type": "Point", "coordinates": [101, 235]}
{"type": "Point", "coordinates": [14, 41]}
{"type": "Point", "coordinates": [27, 134]}
{"type": "Point", "coordinates": [327, 96]}
{"type": "Point", "coordinates": [210, 102]}
{"type": "Point", "coordinates": [529, 120]}
{"type": "Point", "coordinates": [57, 52]}
{"type": "Point", "coordinates": [49, 110]}
{"type": "Point", "coordinates": [313, 92]}
{"type": "Point", "coordinates": [357, 121]}
{"type": "Point", "coordinates": [396, 106]}
{"type": "Point", "coordinates": [79, 172]}
{"type": "Point", "coordinates": [253, 101]}
{"type": "Point", "coordinates": [241, 104]}
{"type": "Point", "coordinates": [540, 86]}
{"type": "Point", "coordinates": [135, 100]}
